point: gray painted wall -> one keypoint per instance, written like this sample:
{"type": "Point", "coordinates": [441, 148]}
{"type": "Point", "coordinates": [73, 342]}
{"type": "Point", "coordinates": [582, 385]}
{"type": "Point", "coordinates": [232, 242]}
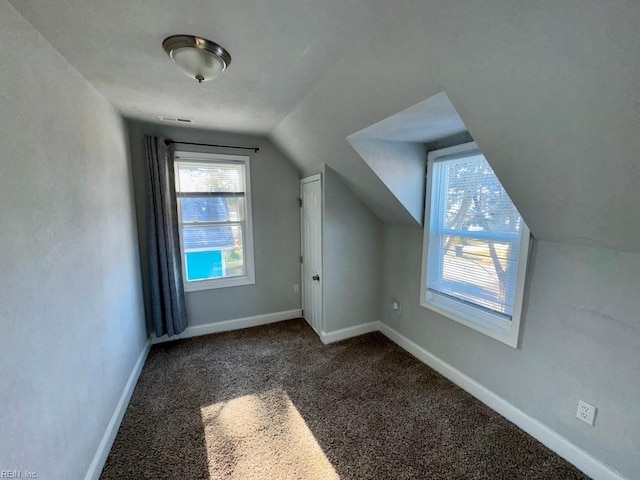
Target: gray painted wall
{"type": "Point", "coordinates": [352, 257]}
{"type": "Point", "coordinates": [580, 340]}
{"type": "Point", "coordinates": [71, 312]}
{"type": "Point", "coordinates": [402, 167]}
{"type": "Point", "coordinates": [276, 226]}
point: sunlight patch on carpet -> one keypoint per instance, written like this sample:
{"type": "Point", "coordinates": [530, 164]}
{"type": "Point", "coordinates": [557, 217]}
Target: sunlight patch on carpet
{"type": "Point", "coordinates": [262, 436]}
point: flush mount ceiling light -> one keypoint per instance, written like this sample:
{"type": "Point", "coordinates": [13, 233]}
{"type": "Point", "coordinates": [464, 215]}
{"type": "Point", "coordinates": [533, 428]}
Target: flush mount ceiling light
{"type": "Point", "coordinates": [200, 58]}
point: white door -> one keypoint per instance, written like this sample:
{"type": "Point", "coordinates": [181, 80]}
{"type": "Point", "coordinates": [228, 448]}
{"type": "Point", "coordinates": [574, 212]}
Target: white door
{"type": "Point", "coordinates": [311, 217]}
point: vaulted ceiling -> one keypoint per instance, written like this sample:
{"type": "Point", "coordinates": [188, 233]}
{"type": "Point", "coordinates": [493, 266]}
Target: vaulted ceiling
{"type": "Point", "coordinates": [550, 89]}
{"type": "Point", "coordinates": [279, 50]}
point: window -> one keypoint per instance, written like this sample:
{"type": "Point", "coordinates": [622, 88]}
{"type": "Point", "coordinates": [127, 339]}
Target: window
{"type": "Point", "coordinates": [214, 211]}
{"type": "Point", "coordinates": [476, 245]}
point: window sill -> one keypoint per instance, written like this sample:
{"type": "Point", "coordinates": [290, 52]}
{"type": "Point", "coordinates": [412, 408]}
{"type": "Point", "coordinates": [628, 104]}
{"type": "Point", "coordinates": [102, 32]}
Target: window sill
{"type": "Point", "coordinates": [491, 325]}
{"type": "Point", "coordinates": [218, 283]}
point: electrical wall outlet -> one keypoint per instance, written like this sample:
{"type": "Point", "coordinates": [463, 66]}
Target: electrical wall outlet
{"type": "Point", "coordinates": [586, 412]}
{"type": "Point", "coordinates": [397, 308]}
{"type": "Point", "coordinates": [296, 288]}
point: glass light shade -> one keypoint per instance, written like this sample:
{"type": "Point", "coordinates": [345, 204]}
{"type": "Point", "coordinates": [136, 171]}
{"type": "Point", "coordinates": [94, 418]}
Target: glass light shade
{"type": "Point", "coordinates": [198, 57]}
{"type": "Point", "coordinates": [197, 63]}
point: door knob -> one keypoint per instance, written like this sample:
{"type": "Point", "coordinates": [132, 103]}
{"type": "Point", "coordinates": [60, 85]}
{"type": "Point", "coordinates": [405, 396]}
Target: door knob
{"type": "Point", "coordinates": [316, 278]}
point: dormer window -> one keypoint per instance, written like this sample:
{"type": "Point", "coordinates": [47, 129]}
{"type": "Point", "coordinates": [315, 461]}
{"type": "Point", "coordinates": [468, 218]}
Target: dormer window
{"type": "Point", "coordinates": [476, 245]}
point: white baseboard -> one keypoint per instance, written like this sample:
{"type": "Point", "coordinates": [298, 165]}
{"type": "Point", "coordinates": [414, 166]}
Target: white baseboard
{"type": "Point", "coordinates": [228, 325]}
{"type": "Point", "coordinates": [349, 332]}
{"type": "Point", "coordinates": [553, 440]}
{"type": "Point", "coordinates": [99, 459]}
{"type": "Point", "coordinates": [545, 435]}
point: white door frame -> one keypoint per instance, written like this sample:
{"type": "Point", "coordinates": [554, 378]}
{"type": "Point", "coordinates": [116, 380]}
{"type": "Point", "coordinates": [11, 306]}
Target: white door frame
{"type": "Point", "coordinates": [317, 177]}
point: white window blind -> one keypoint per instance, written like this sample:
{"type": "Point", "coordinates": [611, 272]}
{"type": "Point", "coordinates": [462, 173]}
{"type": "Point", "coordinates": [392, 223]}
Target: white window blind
{"type": "Point", "coordinates": [475, 247]}
{"type": "Point", "coordinates": [474, 236]}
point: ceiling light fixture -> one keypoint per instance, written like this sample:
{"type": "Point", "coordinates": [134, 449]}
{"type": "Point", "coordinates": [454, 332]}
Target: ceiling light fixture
{"type": "Point", "coordinates": [200, 58]}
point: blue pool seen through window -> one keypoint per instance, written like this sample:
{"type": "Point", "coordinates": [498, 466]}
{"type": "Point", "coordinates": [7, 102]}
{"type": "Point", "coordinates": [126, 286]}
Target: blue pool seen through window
{"type": "Point", "coordinates": [214, 208]}
{"type": "Point", "coordinates": [203, 265]}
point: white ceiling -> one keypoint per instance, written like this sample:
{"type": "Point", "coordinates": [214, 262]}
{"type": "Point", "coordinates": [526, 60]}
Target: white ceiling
{"type": "Point", "coordinates": [429, 120]}
{"type": "Point", "coordinates": [550, 90]}
{"type": "Point", "coordinates": [396, 148]}
{"type": "Point", "coordinates": [279, 50]}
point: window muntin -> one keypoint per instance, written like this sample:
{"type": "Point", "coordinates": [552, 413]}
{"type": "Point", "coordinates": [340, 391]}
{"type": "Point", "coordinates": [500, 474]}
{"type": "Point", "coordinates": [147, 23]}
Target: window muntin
{"type": "Point", "coordinates": [214, 211]}
{"type": "Point", "coordinates": [476, 245]}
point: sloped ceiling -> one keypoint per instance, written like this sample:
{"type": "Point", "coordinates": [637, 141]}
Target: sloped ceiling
{"type": "Point", "coordinates": [279, 49]}
{"type": "Point", "coordinates": [425, 122]}
{"type": "Point", "coordinates": [396, 148]}
{"type": "Point", "coordinates": [550, 89]}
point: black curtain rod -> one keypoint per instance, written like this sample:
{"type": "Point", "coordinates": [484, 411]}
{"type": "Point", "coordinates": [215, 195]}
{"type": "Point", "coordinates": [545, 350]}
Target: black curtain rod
{"type": "Point", "coordinates": [169, 142]}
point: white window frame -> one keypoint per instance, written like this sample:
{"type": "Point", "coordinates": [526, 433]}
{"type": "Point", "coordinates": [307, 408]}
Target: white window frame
{"type": "Point", "coordinates": [247, 241]}
{"type": "Point", "coordinates": [493, 325]}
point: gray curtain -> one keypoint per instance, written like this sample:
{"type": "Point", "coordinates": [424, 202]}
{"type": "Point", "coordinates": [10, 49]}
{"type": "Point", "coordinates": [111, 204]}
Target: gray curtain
{"type": "Point", "coordinates": [168, 306]}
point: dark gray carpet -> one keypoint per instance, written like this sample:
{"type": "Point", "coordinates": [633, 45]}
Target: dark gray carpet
{"type": "Point", "coordinates": [272, 402]}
